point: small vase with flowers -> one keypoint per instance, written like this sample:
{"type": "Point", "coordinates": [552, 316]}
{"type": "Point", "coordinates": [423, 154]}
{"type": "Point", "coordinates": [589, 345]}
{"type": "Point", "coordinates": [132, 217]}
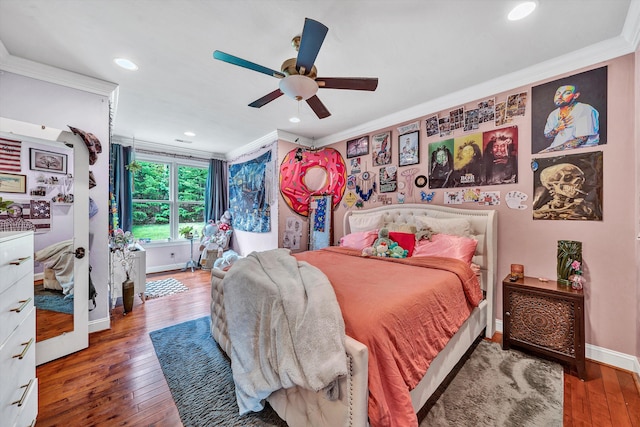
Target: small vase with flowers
{"type": "Point", "coordinates": [576, 279]}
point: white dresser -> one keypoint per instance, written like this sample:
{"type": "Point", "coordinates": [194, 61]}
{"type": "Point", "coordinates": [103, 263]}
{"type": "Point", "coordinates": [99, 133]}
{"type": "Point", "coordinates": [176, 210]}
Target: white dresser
{"type": "Point", "coordinates": [19, 391]}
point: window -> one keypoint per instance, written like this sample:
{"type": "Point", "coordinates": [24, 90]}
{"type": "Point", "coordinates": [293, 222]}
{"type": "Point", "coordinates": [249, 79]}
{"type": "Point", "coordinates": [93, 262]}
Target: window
{"type": "Point", "coordinates": [168, 194]}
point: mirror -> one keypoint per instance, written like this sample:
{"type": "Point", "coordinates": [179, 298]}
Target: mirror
{"type": "Point", "coordinates": [56, 204]}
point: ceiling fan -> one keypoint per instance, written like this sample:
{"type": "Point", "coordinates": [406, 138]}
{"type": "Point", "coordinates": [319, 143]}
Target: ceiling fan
{"type": "Point", "coordinates": [298, 75]}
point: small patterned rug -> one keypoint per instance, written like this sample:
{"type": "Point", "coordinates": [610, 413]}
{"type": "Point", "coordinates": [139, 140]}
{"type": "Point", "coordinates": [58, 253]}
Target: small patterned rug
{"type": "Point", "coordinates": [164, 287]}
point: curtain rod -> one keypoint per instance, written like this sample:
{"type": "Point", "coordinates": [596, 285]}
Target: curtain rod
{"type": "Point", "coordinates": [176, 156]}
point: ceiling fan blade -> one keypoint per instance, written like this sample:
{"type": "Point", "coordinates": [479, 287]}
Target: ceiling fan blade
{"type": "Point", "coordinates": [352, 83]}
{"type": "Point", "coordinates": [318, 107]}
{"type": "Point", "coordinates": [246, 64]}
{"type": "Point", "coordinates": [266, 99]}
{"type": "Point", "coordinates": [313, 35]}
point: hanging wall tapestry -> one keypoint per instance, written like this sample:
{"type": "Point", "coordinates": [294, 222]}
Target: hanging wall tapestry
{"type": "Point", "coordinates": [568, 187]}
{"type": "Point", "coordinates": [248, 203]}
{"type": "Point", "coordinates": [570, 112]}
{"type": "Point", "coordinates": [294, 167]}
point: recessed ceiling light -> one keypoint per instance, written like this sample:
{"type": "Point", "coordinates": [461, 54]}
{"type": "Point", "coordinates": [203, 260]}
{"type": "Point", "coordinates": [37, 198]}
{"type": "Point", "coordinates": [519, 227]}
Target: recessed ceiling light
{"type": "Point", "coordinates": [294, 119]}
{"type": "Point", "coordinates": [189, 133]}
{"type": "Point", "coordinates": [126, 64]}
{"type": "Point", "coordinates": [522, 10]}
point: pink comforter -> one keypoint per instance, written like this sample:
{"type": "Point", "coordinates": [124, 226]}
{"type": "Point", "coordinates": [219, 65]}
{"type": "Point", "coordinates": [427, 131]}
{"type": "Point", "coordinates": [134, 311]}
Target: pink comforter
{"type": "Point", "coordinates": [404, 311]}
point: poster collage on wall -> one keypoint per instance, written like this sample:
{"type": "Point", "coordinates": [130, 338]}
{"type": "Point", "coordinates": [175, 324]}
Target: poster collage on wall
{"type": "Point", "coordinates": [566, 114]}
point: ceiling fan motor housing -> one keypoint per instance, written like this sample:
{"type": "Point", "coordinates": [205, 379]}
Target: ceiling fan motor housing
{"type": "Point", "coordinates": [289, 68]}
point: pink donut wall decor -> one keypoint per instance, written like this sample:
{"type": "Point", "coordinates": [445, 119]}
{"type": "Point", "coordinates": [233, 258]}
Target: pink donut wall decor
{"type": "Point", "coordinates": [294, 167]}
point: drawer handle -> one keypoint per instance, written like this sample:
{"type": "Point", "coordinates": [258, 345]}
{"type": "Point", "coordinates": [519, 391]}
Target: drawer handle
{"type": "Point", "coordinates": [26, 388]}
{"type": "Point", "coordinates": [506, 313]}
{"type": "Point", "coordinates": [23, 304]}
{"type": "Point", "coordinates": [26, 345]}
{"type": "Point", "coordinates": [19, 260]}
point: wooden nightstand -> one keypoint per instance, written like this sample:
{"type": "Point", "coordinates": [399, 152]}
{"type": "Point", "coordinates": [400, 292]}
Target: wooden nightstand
{"type": "Point", "coordinates": [544, 318]}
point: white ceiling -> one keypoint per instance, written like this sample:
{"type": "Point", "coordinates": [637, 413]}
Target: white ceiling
{"type": "Point", "coordinates": [421, 51]}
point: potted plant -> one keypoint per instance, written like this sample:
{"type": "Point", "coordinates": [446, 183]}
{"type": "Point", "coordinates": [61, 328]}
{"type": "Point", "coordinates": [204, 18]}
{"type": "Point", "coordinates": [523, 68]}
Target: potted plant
{"type": "Point", "coordinates": [4, 204]}
{"type": "Point", "coordinates": [121, 244]}
{"type": "Point", "coordinates": [186, 231]}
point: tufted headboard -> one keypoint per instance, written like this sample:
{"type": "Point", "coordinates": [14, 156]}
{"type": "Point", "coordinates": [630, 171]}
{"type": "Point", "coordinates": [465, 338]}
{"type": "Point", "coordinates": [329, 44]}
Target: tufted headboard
{"type": "Point", "coordinates": [484, 229]}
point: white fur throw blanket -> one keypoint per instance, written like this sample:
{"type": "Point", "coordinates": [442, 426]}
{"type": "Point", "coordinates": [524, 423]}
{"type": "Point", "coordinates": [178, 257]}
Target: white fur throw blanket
{"type": "Point", "coordinates": [285, 328]}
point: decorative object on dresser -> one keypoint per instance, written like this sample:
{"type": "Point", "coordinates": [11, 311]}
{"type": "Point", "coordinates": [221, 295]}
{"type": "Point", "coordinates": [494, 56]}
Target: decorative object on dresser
{"type": "Point", "coordinates": [545, 318]}
{"type": "Point", "coordinates": [568, 252]}
{"type": "Point", "coordinates": [517, 271]}
{"type": "Point", "coordinates": [19, 392]}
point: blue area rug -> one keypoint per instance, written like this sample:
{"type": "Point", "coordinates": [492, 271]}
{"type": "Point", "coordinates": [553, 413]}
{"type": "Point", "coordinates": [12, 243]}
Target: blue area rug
{"type": "Point", "coordinates": [489, 388]}
{"type": "Point", "coordinates": [200, 379]}
{"type": "Point", "coordinates": [54, 302]}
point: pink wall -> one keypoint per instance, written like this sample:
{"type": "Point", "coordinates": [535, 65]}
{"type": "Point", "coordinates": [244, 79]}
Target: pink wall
{"type": "Point", "coordinates": [609, 246]}
{"type": "Point", "coordinates": [637, 197]}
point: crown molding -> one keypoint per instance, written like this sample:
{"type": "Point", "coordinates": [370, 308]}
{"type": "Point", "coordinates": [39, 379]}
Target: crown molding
{"type": "Point", "coordinates": [594, 54]}
{"type": "Point", "coordinates": [631, 28]}
{"type": "Point", "coordinates": [276, 135]}
{"type": "Point", "coordinates": [47, 73]}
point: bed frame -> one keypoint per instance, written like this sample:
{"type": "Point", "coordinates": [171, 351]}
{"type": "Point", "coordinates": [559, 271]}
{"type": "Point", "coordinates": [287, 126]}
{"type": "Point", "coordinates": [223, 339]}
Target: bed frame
{"type": "Point", "coordinates": [300, 407]}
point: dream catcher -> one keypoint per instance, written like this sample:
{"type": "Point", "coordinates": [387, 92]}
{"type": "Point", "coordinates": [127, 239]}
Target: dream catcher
{"type": "Point", "coordinates": [366, 186]}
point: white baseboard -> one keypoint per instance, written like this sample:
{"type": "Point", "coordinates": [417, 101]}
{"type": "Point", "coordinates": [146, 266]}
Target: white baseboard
{"type": "Point", "coordinates": [603, 355]}
{"type": "Point", "coordinates": [97, 325]}
{"type": "Point", "coordinates": [168, 267]}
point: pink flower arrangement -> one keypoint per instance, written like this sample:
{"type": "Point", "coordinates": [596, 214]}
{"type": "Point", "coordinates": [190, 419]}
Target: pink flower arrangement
{"type": "Point", "coordinates": [575, 266]}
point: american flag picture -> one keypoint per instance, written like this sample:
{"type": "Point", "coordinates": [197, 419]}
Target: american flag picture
{"type": "Point", "coordinates": [10, 155]}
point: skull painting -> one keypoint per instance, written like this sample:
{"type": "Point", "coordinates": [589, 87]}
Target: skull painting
{"type": "Point", "coordinates": [568, 187]}
{"type": "Point", "coordinates": [563, 180]}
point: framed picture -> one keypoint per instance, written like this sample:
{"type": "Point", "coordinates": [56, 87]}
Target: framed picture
{"type": "Point", "coordinates": [409, 148]}
{"type": "Point", "coordinates": [381, 149]}
{"type": "Point", "coordinates": [12, 183]}
{"type": "Point", "coordinates": [47, 161]}
{"type": "Point", "coordinates": [358, 147]}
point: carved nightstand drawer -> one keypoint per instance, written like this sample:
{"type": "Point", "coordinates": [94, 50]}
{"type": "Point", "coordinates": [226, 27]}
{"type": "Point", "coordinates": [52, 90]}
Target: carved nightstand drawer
{"type": "Point", "coordinates": [544, 318]}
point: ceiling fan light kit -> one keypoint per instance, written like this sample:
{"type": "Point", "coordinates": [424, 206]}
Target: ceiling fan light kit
{"type": "Point", "coordinates": [298, 87]}
{"type": "Point", "coordinates": [298, 75]}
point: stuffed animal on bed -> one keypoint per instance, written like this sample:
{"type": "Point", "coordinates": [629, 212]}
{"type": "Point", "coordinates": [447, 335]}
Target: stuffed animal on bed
{"type": "Point", "coordinates": [385, 247]}
{"type": "Point", "coordinates": [396, 251]}
{"type": "Point", "coordinates": [424, 233]}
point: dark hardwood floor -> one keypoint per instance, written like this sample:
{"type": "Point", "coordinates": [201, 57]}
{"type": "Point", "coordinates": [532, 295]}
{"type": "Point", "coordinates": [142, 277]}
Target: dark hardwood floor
{"type": "Point", "coordinates": [118, 381]}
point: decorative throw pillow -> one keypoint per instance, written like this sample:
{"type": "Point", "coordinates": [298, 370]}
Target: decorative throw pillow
{"type": "Point", "coordinates": [448, 246]}
{"type": "Point", "coordinates": [359, 240]}
{"type": "Point", "coordinates": [365, 223]}
{"type": "Point", "coordinates": [454, 226]}
{"type": "Point", "coordinates": [405, 240]}
{"type": "Point", "coordinates": [405, 228]}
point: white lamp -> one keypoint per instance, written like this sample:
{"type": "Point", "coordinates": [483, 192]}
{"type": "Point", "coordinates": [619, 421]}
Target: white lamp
{"type": "Point", "coordinates": [298, 87]}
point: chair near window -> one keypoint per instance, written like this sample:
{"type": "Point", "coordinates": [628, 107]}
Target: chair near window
{"type": "Point", "coordinates": [215, 240]}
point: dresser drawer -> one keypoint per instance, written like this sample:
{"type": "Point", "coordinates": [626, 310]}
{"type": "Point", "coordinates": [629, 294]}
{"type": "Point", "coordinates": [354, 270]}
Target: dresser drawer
{"type": "Point", "coordinates": [16, 259]}
{"type": "Point", "coordinates": [15, 304]}
{"type": "Point", "coordinates": [18, 361]}
{"type": "Point", "coordinates": [29, 410]}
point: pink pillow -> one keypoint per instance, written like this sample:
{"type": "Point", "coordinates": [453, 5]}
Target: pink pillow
{"type": "Point", "coordinates": [405, 240]}
{"type": "Point", "coordinates": [448, 246]}
{"type": "Point", "coordinates": [359, 240]}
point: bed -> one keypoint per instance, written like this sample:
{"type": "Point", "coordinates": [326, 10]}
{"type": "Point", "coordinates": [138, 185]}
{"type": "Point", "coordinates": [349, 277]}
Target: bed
{"type": "Point", "coordinates": [303, 407]}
